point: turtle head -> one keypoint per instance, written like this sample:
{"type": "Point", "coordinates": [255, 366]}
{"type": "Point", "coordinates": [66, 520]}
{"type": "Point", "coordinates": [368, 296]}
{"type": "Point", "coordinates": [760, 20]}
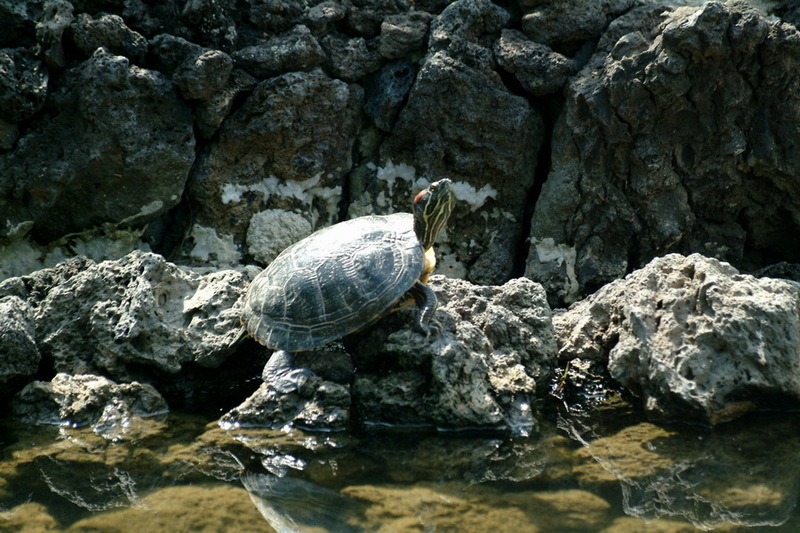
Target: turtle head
{"type": "Point", "coordinates": [432, 208]}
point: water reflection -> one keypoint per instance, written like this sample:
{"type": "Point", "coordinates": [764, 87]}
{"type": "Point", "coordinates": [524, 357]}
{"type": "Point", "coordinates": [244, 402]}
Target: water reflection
{"type": "Point", "coordinates": [585, 472]}
{"type": "Point", "coordinates": [741, 473]}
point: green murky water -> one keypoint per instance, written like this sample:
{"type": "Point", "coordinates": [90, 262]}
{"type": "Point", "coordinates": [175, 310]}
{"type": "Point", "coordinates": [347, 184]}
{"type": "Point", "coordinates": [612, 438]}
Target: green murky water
{"type": "Point", "coordinates": [184, 473]}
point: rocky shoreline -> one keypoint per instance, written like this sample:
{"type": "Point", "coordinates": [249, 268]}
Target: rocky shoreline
{"type": "Point", "coordinates": [618, 166]}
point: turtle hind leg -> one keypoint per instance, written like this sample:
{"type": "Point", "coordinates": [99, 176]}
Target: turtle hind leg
{"type": "Point", "coordinates": [426, 307]}
{"type": "Point", "coordinates": [282, 376]}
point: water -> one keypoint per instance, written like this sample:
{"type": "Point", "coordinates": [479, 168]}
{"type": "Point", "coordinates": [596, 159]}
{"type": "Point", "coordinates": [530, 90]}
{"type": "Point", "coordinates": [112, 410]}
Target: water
{"type": "Point", "coordinates": [604, 472]}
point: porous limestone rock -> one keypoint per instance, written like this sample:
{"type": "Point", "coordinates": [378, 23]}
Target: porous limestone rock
{"type": "Point", "coordinates": [86, 400]}
{"type": "Point", "coordinates": [692, 337]}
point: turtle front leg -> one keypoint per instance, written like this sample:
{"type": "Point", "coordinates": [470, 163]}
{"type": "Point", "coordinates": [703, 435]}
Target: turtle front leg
{"type": "Point", "coordinates": [426, 307]}
{"type": "Point", "coordinates": [283, 377]}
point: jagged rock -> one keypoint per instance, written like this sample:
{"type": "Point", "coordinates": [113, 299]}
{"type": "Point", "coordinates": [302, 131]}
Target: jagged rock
{"type": "Point", "coordinates": [140, 311]}
{"type": "Point", "coordinates": [110, 32]}
{"type": "Point", "coordinates": [675, 138]}
{"type": "Point", "coordinates": [692, 337]}
{"type": "Point", "coordinates": [536, 66]}
{"type": "Point", "coordinates": [486, 140]}
{"type": "Point", "coordinates": [86, 400]}
{"type": "Point", "coordinates": [169, 51]}
{"type": "Point", "coordinates": [18, 22]}
{"type": "Point", "coordinates": [364, 17]}
{"type": "Point", "coordinates": [209, 114]}
{"type": "Point", "coordinates": [64, 177]}
{"type": "Point", "coordinates": [319, 17]}
{"type": "Point", "coordinates": [200, 77]}
{"type": "Point", "coordinates": [492, 360]}
{"type": "Point", "coordinates": [287, 147]}
{"type": "Point", "coordinates": [322, 402]}
{"type": "Point", "coordinates": [386, 92]}
{"type": "Point", "coordinates": [20, 356]}
{"type": "Point", "coordinates": [23, 84]}
{"type": "Point", "coordinates": [351, 59]}
{"type": "Point", "coordinates": [296, 50]}
{"type": "Point", "coordinates": [404, 34]}
{"type": "Point", "coordinates": [568, 23]}
{"type": "Point", "coordinates": [56, 18]}
{"type": "Point", "coordinates": [212, 22]}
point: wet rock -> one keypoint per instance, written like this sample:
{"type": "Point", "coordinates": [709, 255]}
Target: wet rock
{"type": "Point", "coordinates": [139, 311]}
{"type": "Point", "coordinates": [351, 59]}
{"type": "Point", "coordinates": [17, 340]}
{"type": "Point", "coordinates": [386, 92]}
{"type": "Point", "coordinates": [404, 34]}
{"type": "Point", "coordinates": [110, 32]}
{"type": "Point", "coordinates": [692, 337]}
{"type": "Point", "coordinates": [569, 23]}
{"type": "Point", "coordinates": [23, 85]}
{"type": "Point", "coordinates": [86, 400]}
{"type": "Point", "coordinates": [322, 402]}
{"type": "Point", "coordinates": [296, 50]}
{"type": "Point", "coordinates": [536, 66]}
{"type": "Point", "coordinates": [675, 138]}
{"type": "Point", "coordinates": [64, 177]}
{"type": "Point", "coordinates": [288, 147]}
{"type": "Point", "coordinates": [490, 363]}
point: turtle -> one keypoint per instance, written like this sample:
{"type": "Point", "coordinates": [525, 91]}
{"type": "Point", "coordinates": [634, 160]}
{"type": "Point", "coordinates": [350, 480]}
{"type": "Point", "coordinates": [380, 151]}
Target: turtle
{"type": "Point", "coordinates": [343, 278]}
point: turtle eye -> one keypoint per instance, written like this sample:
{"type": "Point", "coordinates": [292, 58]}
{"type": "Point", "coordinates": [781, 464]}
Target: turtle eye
{"type": "Point", "coordinates": [433, 188]}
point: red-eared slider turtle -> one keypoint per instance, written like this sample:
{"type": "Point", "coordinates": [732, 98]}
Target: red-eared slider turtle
{"type": "Point", "coordinates": [345, 277]}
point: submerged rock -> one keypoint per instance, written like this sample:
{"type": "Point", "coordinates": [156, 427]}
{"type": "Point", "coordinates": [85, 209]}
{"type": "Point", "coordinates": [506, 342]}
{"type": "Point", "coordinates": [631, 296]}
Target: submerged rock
{"type": "Point", "coordinates": [692, 337]}
{"type": "Point", "coordinates": [86, 400]}
{"type": "Point", "coordinates": [490, 363]}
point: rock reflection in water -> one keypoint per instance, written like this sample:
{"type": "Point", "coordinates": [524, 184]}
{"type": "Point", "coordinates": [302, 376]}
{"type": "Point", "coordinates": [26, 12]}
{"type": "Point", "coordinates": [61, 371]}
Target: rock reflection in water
{"type": "Point", "coordinates": [742, 473]}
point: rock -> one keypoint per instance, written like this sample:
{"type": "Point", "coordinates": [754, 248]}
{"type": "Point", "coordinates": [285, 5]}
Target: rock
{"type": "Point", "coordinates": [201, 76]}
{"type": "Point", "coordinates": [23, 85]}
{"type": "Point", "coordinates": [276, 16]}
{"type": "Point", "coordinates": [56, 18]}
{"type": "Point", "coordinates": [170, 51]}
{"type": "Point", "coordinates": [364, 17]}
{"type": "Point", "coordinates": [536, 66]}
{"type": "Point", "coordinates": [486, 140]}
{"type": "Point", "coordinates": [209, 114]}
{"type": "Point", "coordinates": [492, 360]}
{"type": "Point", "coordinates": [692, 337]}
{"type": "Point", "coordinates": [296, 50]}
{"type": "Point", "coordinates": [676, 137]}
{"type": "Point", "coordinates": [404, 34]}
{"type": "Point", "coordinates": [110, 32]}
{"type": "Point", "coordinates": [273, 230]}
{"type": "Point", "coordinates": [64, 177]}
{"type": "Point", "coordinates": [566, 24]}
{"type": "Point", "coordinates": [116, 317]}
{"type": "Point", "coordinates": [212, 22]}
{"type": "Point", "coordinates": [18, 22]}
{"type": "Point", "coordinates": [17, 340]}
{"type": "Point", "coordinates": [351, 59]}
{"type": "Point", "coordinates": [288, 147]}
{"type": "Point", "coordinates": [319, 17]}
{"type": "Point", "coordinates": [387, 91]}
{"type": "Point", "coordinates": [465, 25]}
{"type": "Point", "coordinates": [85, 400]}
{"type": "Point", "coordinates": [322, 403]}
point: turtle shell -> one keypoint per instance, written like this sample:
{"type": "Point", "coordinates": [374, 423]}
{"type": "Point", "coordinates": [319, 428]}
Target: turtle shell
{"type": "Point", "coordinates": [334, 282]}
